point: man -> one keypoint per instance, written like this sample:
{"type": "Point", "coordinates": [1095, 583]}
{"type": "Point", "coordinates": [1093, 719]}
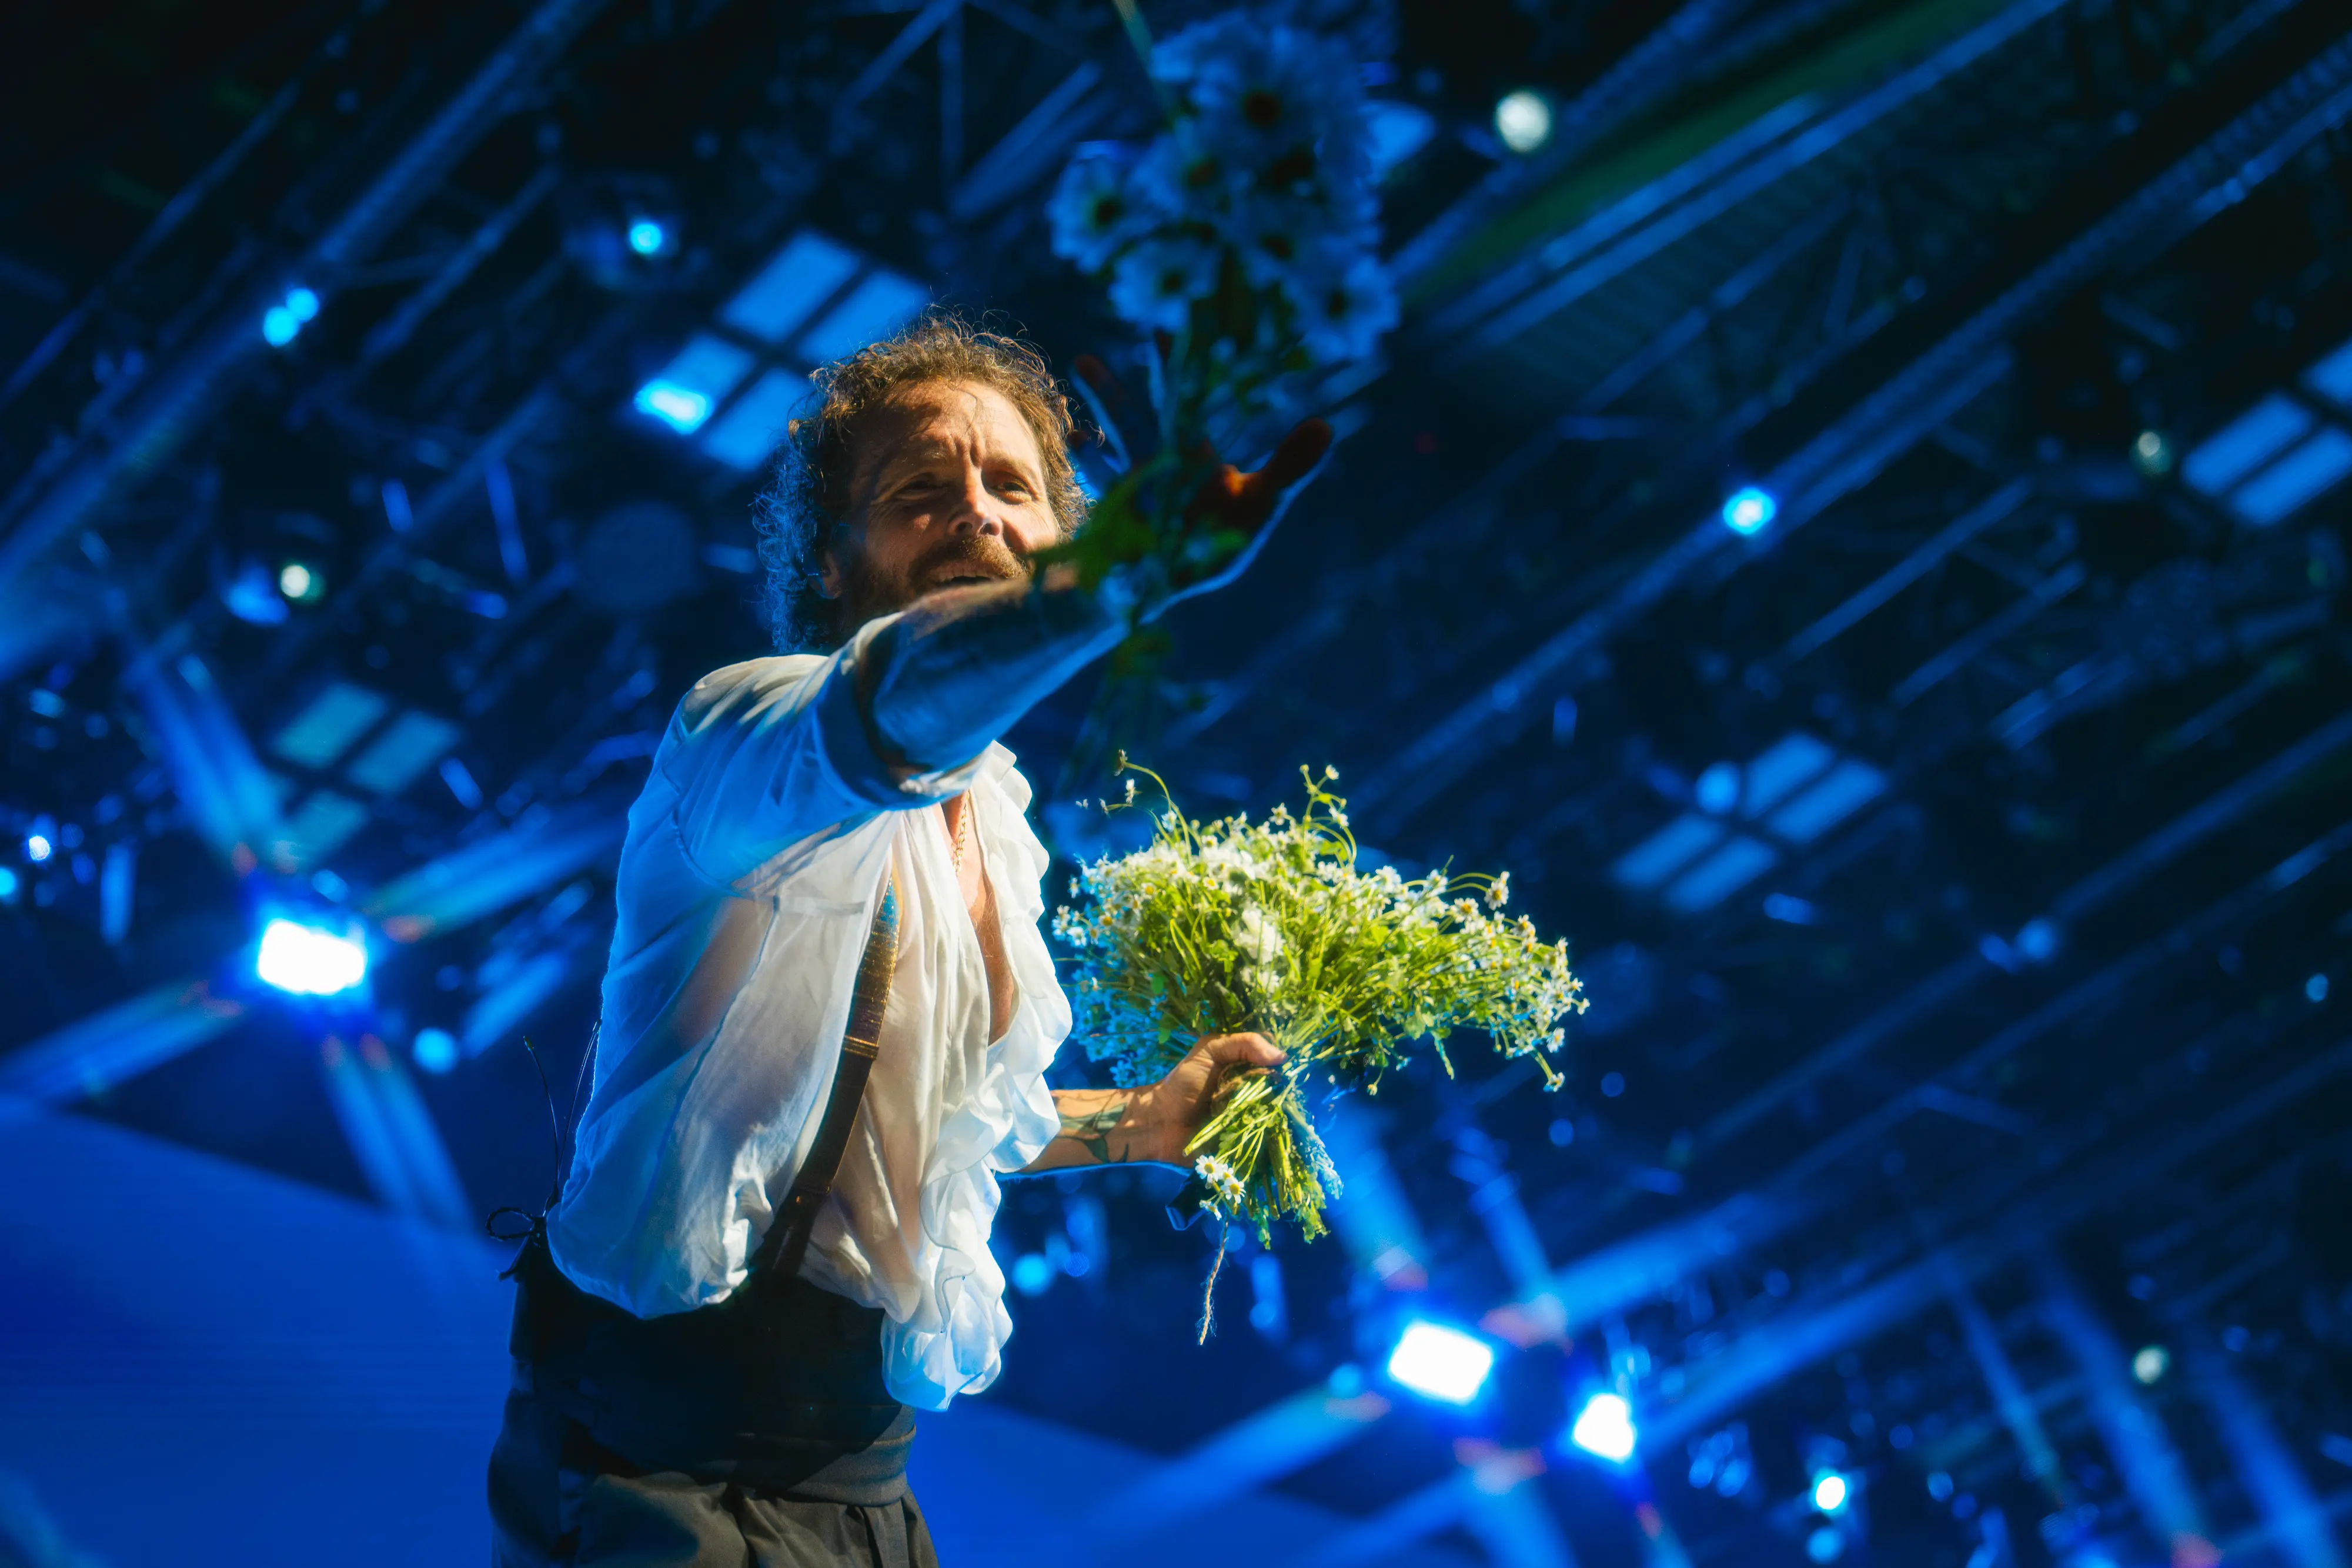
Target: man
{"type": "Point", "coordinates": [828, 873]}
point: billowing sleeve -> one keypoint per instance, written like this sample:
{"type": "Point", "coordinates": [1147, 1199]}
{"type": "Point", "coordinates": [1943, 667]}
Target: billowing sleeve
{"type": "Point", "coordinates": [765, 754]}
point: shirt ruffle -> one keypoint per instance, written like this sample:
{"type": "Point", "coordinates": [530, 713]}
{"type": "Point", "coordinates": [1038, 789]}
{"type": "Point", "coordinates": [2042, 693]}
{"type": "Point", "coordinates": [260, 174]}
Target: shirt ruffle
{"type": "Point", "coordinates": [954, 1341]}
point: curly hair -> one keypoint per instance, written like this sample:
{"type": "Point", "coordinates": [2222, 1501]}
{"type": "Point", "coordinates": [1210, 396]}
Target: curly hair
{"type": "Point", "coordinates": [808, 494]}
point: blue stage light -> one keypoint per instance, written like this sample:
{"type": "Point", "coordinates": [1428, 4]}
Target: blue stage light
{"type": "Point", "coordinates": [9, 883]}
{"type": "Point", "coordinates": [1825, 1545]}
{"type": "Point", "coordinates": [1032, 1273]}
{"type": "Point", "coordinates": [1719, 787]}
{"type": "Point", "coordinates": [674, 405]}
{"type": "Point", "coordinates": [311, 961]}
{"type": "Point", "coordinates": [646, 237]}
{"type": "Point", "coordinates": [1441, 1363]}
{"type": "Point", "coordinates": [303, 303]}
{"type": "Point", "coordinates": [1606, 1428]}
{"type": "Point", "coordinates": [1829, 1493]}
{"type": "Point", "coordinates": [1749, 511]}
{"type": "Point", "coordinates": [278, 326]}
{"type": "Point", "coordinates": [39, 848]}
{"type": "Point", "coordinates": [436, 1049]}
{"type": "Point", "coordinates": [2314, 989]}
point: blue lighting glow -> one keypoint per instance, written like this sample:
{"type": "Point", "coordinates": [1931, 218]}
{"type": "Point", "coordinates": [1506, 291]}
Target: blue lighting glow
{"type": "Point", "coordinates": [278, 326]}
{"type": "Point", "coordinates": [1825, 1545]}
{"type": "Point", "coordinates": [880, 304]}
{"type": "Point", "coordinates": [1829, 1493]}
{"type": "Point", "coordinates": [1398, 130]}
{"type": "Point", "coordinates": [1749, 511]}
{"type": "Point", "coordinates": [37, 847]}
{"type": "Point", "coordinates": [311, 961]}
{"type": "Point", "coordinates": [2316, 466]}
{"type": "Point", "coordinates": [303, 304]}
{"type": "Point", "coordinates": [2037, 940]}
{"type": "Point", "coordinates": [688, 390]}
{"type": "Point", "coordinates": [1032, 1273]}
{"type": "Point", "coordinates": [674, 405]}
{"type": "Point", "coordinates": [746, 434]}
{"type": "Point", "coordinates": [9, 883]}
{"type": "Point", "coordinates": [2314, 989]}
{"type": "Point", "coordinates": [808, 271]}
{"type": "Point", "coordinates": [646, 237]}
{"type": "Point", "coordinates": [1606, 1428]}
{"type": "Point", "coordinates": [1441, 1363]}
{"type": "Point", "coordinates": [1719, 787]}
{"type": "Point", "coordinates": [2246, 443]}
{"type": "Point", "coordinates": [436, 1049]}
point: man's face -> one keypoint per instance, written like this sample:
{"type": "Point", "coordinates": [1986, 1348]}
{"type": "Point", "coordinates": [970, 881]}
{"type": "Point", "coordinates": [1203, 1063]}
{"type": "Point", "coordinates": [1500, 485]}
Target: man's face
{"type": "Point", "coordinates": [948, 487]}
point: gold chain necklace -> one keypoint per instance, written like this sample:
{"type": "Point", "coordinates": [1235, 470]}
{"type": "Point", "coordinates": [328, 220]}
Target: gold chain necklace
{"type": "Point", "coordinates": [961, 839]}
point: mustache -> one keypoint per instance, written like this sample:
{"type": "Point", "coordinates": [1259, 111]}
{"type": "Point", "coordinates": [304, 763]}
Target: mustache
{"type": "Point", "coordinates": [983, 555]}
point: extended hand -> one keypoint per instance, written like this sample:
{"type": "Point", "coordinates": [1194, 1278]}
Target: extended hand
{"type": "Point", "coordinates": [1229, 501]}
{"type": "Point", "coordinates": [1169, 1112]}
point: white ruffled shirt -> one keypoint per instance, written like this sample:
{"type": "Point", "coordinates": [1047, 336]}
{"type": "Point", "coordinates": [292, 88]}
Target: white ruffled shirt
{"type": "Point", "coordinates": [748, 883]}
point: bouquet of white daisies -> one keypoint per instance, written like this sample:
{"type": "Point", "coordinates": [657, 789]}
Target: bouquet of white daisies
{"type": "Point", "coordinates": [1231, 926]}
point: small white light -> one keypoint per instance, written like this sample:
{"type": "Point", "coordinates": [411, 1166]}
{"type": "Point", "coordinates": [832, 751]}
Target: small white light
{"type": "Point", "coordinates": [38, 848]}
{"type": "Point", "coordinates": [294, 580]}
{"type": "Point", "coordinates": [1828, 1491]}
{"type": "Point", "coordinates": [1440, 1363]}
{"type": "Point", "coordinates": [646, 237]}
{"type": "Point", "coordinates": [1606, 1428]}
{"type": "Point", "coordinates": [308, 960]}
{"type": "Point", "coordinates": [681, 409]}
{"type": "Point", "coordinates": [1749, 511]}
{"type": "Point", "coordinates": [2152, 454]}
{"type": "Point", "coordinates": [2150, 1363]}
{"type": "Point", "coordinates": [1523, 119]}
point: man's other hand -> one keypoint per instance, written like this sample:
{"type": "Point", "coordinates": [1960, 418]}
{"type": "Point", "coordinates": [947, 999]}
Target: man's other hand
{"type": "Point", "coordinates": [1173, 1110]}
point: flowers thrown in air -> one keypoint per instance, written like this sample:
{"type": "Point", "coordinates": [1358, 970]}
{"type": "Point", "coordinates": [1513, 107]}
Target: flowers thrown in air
{"type": "Point", "coordinates": [1246, 229]}
{"type": "Point", "coordinates": [1223, 926]}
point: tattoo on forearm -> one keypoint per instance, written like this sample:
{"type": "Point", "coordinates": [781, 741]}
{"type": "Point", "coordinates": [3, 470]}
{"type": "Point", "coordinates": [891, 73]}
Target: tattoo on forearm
{"type": "Point", "coordinates": [1090, 1130]}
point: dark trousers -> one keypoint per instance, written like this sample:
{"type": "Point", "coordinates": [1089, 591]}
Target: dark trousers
{"type": "Point", "coordinates": [755, 1432]}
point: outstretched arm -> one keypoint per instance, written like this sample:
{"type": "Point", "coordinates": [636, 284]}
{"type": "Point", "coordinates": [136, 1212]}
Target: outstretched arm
{"type": "Point", "coordinates": [1128, 1126]}
{"type": "Point", "coordinates": [956, 669]}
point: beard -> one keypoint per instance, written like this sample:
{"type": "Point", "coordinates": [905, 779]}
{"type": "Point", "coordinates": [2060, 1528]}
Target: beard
{"type": "Point", "coordinates": [869, 591]}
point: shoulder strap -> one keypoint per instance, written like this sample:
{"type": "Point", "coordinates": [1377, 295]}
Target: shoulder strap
{"type": "Point", "coordinates": [787, 1240]}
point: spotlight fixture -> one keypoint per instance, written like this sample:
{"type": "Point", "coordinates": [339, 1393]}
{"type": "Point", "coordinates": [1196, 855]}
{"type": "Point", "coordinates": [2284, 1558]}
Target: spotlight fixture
{"type": "Point", "coordinates": [306, 960]}
{"type": "Point", "coordinates": [1441, 1363]}
{"type": "Point", "coordinates": [681, 409]}
{"type": "Point", "coordinates": [283, 321]}
{"type": "Point", "coordinates": [1523, 119]}
{"type": "Point", "coordinates": [436, 1049]}
{"type": "Point", "coordinates": [1749, 511]}
{"type": "Point", "coordinates": [1604, 1428]}
{"type": "Point", "coordinates": [299, 582]}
